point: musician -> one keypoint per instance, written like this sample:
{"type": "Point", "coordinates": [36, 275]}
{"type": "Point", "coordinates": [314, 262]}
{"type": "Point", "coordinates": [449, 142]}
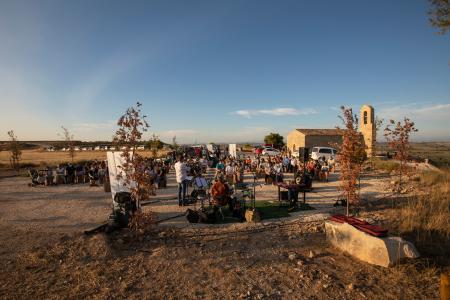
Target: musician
{"type": "Point", "coordinates": [293, 194]}
{"type": "Point", "coordinates": [181, 170]}
{"type": "Point", "coordinates": [269, 173]}
{"type": "Point", "coordinates": [220, 192]}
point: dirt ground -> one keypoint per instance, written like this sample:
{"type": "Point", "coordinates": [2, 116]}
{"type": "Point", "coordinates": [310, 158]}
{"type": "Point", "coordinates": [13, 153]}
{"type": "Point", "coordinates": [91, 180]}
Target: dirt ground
{"type": "Point", "coordinates": [44, 253]}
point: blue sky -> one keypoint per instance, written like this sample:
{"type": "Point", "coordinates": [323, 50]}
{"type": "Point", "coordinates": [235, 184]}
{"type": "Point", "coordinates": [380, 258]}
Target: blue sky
{"type": "Point", "coordinates": [219, 71]}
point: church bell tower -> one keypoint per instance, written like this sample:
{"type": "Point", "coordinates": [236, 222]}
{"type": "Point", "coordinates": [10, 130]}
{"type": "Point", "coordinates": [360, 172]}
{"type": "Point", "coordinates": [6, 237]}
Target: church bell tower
{"type": "Point", "coordinates": [367, 127]}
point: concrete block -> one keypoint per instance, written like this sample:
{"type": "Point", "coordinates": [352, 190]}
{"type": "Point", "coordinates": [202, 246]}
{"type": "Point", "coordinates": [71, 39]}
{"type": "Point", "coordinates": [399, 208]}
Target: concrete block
{"type": "Point", "coordinates": [385, 252]}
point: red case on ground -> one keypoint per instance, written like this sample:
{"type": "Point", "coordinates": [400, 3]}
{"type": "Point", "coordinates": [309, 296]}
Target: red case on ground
{"type": "Point", "coordinates": [361, 225]}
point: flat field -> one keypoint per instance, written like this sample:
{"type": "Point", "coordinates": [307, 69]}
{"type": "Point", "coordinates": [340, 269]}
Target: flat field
{"type": "Point", "coordinates": [39, 157]}
{"type": "Point", "coordinates": [437, 152]}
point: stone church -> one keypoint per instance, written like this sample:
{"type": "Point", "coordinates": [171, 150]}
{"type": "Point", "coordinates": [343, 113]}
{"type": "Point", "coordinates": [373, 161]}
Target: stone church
{"type": "Point", "coordinates": [310, 138]}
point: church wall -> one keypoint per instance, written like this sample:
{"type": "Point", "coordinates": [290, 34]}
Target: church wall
{"type": "Point", "coordinates": [323, 141]}
{"type": "Point", "coordinates": [295, 139]}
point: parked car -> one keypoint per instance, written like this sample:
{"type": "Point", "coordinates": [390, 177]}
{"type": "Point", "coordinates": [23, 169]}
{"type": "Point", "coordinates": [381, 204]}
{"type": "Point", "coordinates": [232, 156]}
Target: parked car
{"type": "Point", "coordinates": [327, 152]}
{"type": "Point", "coordinates": [258, 150]}
{"type": "Point", "coordinates": [270, 151]}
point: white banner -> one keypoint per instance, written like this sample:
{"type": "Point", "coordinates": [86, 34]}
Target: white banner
{"type": "Point", "coordinates": [115, 161]}
{"type": "Point", "coordinates": [232, 150]}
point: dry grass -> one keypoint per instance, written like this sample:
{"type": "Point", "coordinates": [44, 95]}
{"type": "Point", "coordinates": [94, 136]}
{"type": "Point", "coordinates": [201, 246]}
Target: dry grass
{"type": "Point", "coordinates": [426, 217]}
{"type": "Point", "coordinates": [39, 157]}
{"type": "Point", "coordinates": [385, 165]}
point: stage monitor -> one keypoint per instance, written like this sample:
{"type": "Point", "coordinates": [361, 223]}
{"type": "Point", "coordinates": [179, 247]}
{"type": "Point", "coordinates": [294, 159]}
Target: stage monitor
{"type": "Point", "coordinates": [303, 154]}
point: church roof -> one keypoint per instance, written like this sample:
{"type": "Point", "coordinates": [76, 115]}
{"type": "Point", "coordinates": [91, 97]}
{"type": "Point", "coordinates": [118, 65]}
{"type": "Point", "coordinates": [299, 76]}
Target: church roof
{"type": "Point", "coordinates": [321, 131]}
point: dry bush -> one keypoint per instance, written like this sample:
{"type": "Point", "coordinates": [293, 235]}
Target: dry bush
{"type": "Point", "coordinates": [142, 221]}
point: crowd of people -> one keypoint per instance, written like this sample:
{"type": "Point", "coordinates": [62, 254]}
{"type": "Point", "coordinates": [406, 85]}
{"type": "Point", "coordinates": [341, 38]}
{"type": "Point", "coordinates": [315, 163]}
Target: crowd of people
{"type": "Point", "coordinates": [190, 169]}
{"type": "Point", "coordinates": [94, 173]}
{"type": "Point", "coordinates": [231, 170]}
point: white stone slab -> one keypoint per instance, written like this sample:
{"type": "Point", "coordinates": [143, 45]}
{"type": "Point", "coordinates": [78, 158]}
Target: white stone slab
{"type": "Point", "coordinates": [386, 251]}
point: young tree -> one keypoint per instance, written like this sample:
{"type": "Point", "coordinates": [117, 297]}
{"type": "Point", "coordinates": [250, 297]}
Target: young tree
{"type": "Point", "coordinates": [132, 126]}
{"type": "Point", "coordinates": [350, 154]}
{"type": "Point", "coordinates": [440, 15]}
{"type": "Point", "coordinates": [397, 136]}
{"type": "Point", "coordinates": [69, 141]}
{"type": "Point", "coordinates": [15, 152]}
{"type": "Point", "coordinates": [275, 139]}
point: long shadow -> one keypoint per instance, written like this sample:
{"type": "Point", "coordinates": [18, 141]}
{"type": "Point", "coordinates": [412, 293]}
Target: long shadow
{"type": "Point", "coordinates": [432, 244]}
{"type": "Point", "coordinates": [383, 203]}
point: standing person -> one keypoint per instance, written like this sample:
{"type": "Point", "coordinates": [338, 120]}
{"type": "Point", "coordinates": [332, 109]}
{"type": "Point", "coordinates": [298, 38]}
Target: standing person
{"type": "Point", "coordinates": [294, 164]}
{"type": "Point", "coordinates": [278, 169]}
{"type": "Point", "coordinates": [220, 167]}
{"type": "Point", "coordinates": [324, 171]}
{"type": "Point", "coordinates": [331, 164]}
{"type": "Point", "coordinates": [49, 176]}
{"type": "Point", "coordinates": [229, 172]}
{"type": "Point", "coordinates": [181, 170]}
{"type": "Point", "coordinates": [70, 174]}
{"type": "Point", "coordinates": [60, 178]}
{"type": "Point", "coordinates": [203, 152]}
{"type": "Point", "coordinates": [286, 163]}
{"type": "Point", "coordinates": [268, 173]}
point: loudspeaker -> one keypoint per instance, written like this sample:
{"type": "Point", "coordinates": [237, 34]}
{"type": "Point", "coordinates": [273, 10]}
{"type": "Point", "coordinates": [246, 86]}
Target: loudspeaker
{"type": "Point", "coordinates": [303, 154]}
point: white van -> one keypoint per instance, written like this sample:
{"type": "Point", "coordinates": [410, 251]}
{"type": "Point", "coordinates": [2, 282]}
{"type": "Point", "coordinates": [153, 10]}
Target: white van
{"type": "Point", "coordinates": [327, 152]}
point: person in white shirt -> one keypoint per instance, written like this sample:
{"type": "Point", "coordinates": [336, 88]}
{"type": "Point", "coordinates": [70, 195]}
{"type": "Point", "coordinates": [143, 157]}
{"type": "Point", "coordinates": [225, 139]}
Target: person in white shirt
{"type": "Point", "coordinates": [229, 172]}
{"type": "Point", "coordinates": [294, 164]}
{"type": "Point", "coordinates": [278, 169]}
{"type": "Point", "coordinates": [181, 170]}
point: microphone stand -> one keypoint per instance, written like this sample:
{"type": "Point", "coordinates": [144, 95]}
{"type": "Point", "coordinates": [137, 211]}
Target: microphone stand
{"type": "Point", "coordinates": [254, 191]}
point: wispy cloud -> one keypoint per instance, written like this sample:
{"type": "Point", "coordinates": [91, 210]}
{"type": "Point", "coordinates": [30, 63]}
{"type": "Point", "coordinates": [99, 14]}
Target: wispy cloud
{"type": "Point", "coordinates": [93, 126]}
{"type": "Point", "coordinates": [430, 110]}
{"type": "Point", "coordinates": [281, 111]}
{"type": "Point", "coordinates": [430, 118]}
